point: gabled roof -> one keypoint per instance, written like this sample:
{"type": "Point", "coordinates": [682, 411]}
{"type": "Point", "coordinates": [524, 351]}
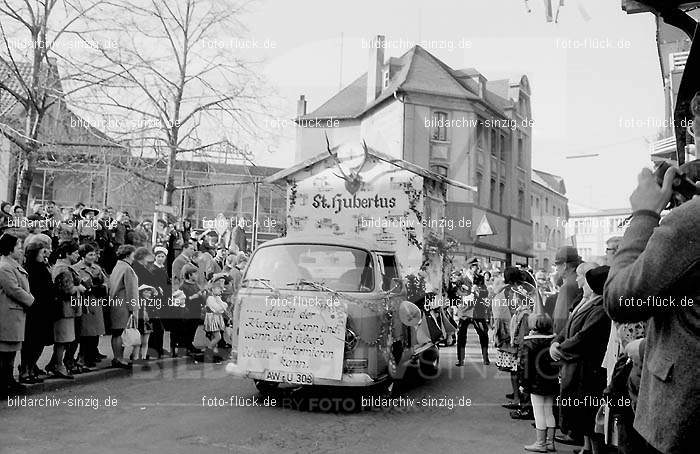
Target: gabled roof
{"type": "Point", "coordinates": [416, 71]}
{"type": "Point", "coordinates": [61, 126]}
{"type": "Point", "coordinates": [13, 73]}
{"type": "Point", "coordinates": [380, 156]}
{"type": "Point", "coordinates": [548, 180]}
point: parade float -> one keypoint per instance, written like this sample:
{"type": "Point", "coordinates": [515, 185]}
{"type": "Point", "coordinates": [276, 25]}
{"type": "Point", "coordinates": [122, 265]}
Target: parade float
{"type": "Point", "coordinates": [327, 304]}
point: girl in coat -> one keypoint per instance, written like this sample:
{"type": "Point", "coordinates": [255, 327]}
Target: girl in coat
{"type": "Point", "coordinates": [538, 376]}
{"type": "Point", "coordinates": [195, 299]}
{"type": "Point", "coordinates": [143, 324]}
{"type": "Point", "coordinates": [161, 281]}
{"type": "Point", "coordinates": [214, 323]}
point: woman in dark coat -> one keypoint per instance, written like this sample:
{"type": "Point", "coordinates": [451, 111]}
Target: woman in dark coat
{"type": "Point", "coordinates": [15, 299]}
{"type": "Point", "coordinates": [580, 347]}
{"type": "Point", "coordinates": [38, 331]}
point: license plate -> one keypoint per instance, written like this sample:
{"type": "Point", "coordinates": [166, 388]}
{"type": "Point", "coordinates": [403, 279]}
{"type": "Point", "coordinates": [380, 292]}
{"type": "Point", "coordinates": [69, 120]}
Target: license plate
{"type": "Point", "coordinates": [297, 378]}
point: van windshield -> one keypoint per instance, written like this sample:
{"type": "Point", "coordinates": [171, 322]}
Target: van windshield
{"type": "Point", "coordinates": [338, 267]}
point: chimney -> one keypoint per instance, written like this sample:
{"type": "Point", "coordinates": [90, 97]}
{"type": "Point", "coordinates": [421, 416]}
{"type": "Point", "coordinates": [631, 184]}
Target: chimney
{"type": "Point", "coordinates": [301, 106]}
{"type": "Point", "coordinates": [374, 69]}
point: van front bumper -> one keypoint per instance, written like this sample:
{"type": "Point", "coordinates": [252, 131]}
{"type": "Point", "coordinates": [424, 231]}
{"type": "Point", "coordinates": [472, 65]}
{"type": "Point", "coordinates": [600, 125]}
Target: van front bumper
{"type": "Point", "coordinates": [352, 379]}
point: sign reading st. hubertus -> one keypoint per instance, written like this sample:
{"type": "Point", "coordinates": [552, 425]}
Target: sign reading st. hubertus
{"type": "Point", "coordinates": [339, 202]}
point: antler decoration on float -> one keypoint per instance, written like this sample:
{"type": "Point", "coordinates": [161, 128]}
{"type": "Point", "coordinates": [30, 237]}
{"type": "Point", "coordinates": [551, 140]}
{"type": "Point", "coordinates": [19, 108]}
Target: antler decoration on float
{"type": "Point", "coordinates": [552, 13]}
{"type": "Point", "coordinates": [353, 181]}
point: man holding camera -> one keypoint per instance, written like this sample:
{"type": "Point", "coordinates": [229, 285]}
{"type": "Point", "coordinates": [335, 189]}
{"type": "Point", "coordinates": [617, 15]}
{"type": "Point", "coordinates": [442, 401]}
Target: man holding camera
{"type": "Point", "coordinates": [655, 276]}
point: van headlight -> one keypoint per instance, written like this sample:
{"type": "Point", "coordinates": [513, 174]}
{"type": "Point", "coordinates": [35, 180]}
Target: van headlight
{"type": "Point", "coordinates": [350, 340]}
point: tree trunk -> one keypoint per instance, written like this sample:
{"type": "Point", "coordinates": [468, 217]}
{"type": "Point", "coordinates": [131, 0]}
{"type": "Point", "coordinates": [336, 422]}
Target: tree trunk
{"type": "Point", "coordinates": [169, 189]}
{"type": "Point", "coordinates": [25, 175]}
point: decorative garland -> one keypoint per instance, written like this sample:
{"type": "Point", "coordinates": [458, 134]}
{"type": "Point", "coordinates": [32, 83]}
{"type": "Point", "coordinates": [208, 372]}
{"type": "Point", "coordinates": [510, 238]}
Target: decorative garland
{"type": "Point", "coordinates": [292, 195]}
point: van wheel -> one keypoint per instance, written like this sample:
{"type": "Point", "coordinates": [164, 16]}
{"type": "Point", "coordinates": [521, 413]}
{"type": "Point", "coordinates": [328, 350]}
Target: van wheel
{"type": "Point", "coordinates": [266, 387]}
{"type": "Point", "coordinates": [429, 363]}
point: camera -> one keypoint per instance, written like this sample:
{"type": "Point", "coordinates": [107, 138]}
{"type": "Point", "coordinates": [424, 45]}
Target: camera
{"type": "Point", "coordinates": [683, 186]}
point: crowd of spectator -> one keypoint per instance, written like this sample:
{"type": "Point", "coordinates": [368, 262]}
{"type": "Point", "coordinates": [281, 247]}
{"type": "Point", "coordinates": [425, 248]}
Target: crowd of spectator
{"type": "Point", "coordinates": [69, 277]}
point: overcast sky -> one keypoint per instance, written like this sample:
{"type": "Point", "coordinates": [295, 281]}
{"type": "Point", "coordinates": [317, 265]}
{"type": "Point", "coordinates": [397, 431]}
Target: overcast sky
{"type": "Point", "coordinates": [586, 96]}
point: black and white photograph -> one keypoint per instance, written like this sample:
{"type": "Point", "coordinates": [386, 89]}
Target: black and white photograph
{"type": "Point", "coordinates": [315, 226]}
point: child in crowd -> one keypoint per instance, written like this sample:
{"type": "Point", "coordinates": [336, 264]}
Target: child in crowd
{"type": "Point", "coordinates": [537, 376]}
{"type": "Point", "coordinates": [146, 294]}
{"type": "Point", "coordinates": [214, 310]}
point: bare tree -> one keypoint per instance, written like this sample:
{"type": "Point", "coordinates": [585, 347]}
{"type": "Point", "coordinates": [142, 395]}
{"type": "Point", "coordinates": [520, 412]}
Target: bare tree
{"type": "Point", "coordinates": [182, 80]}
{"type": "Point", "coordinates": [37, 37]}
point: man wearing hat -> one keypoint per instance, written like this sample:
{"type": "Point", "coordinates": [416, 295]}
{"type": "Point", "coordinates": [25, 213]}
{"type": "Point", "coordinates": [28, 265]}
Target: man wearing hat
{"type": "Point", "coordinates": [566, 261]}
{"type": "Point", "coordinates": [654, 277]}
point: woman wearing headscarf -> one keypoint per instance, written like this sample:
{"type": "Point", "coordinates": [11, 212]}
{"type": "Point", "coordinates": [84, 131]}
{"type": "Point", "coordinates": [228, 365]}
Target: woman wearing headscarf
{"type": "Point", "coordinates": [92, 324]}
{"type": "Point", "coordinates": [15, 299]}
{"type": "Point", "coordinates": [68, 307]}
{"type": "Point", "coordinates": [39, 327]}
{"type": "Point", "coordinates": [124, 298]}
{"type": "Point", "coordinates": [580, 348]}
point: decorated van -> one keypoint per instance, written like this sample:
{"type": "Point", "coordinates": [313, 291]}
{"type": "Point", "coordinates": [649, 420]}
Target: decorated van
{"type": "Point", "coordinates": [327, 304]}
{"type": "Point", "coordinates": [325, 310]}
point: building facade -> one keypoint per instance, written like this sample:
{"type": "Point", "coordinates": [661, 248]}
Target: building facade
{"type": "Point", "coordinates": [550, 214]}
{"type": "Point", "coordinates": [673, 46]}
{"type": "Point", "coordinates": [589, 230]}
{"type": "Point", "coordinates": [79, 163]}
{"type": "Point", "coordinates": [453, 122]}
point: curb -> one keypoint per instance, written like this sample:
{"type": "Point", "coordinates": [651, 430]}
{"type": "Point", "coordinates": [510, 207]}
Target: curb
{"type": "Point", "coordinates": [104, 373]}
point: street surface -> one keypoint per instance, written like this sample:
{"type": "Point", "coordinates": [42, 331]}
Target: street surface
{"type": "Point", "coordinates": [198, 408]}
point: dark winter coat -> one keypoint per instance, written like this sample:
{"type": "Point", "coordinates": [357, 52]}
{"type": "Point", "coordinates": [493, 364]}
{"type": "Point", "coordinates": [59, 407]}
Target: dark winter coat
{"type": "Point", "coordinates": [193, 304]}
{"type": "Point", "coordinates": [538, 374]}
{"type": "Point", "coordinates": [583, 343]}
{"type": "Point", "coordinates": [40, 317]}
{"type": "Point", "coordinates": [160, 280]}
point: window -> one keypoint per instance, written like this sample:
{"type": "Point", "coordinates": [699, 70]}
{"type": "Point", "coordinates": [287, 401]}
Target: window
{"type": "Point", "coordinates": [537, 204]}
{"type": "Point", "coordinates": [546, 205]}
{"type": "Point", "coordinates": [479, 180]}
{"type": "Point", "coordinates": [492, 194]}
{"type": "Point", "coordinates": [480, 134]}
{"type": "Point", "coordinates": [494, 143]}
{"type": "Point", "coordinates": [501, 197]}
{"type": "Point", "coordinates": [385, 77]}
{"type": "Point", "coordinates": [439, 126]}
{"type": "Point", "coordinates": [503, 148]}
{"type": "Point", "coordinates": [521, 153]}
{"type": "Point", "coordinates": [537, 231]}
{"type": "Point", "coordinates": [546, 234]}
{"type": "Point", "coordinates": [521, 204]}
{"type": "Point", "coordinates": [440, 170]}
{"type": "Point", "coordinates": [346, 269]}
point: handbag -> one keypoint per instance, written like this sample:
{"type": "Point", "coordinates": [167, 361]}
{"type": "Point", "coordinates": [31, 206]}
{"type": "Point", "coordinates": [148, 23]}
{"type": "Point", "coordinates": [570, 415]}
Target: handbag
{"type": "Point", "coordinates": [200, 338]}
{"type": "Point", "coordinates": [228, 335]}
{"type": "Point", "coordinates": [131, 337]}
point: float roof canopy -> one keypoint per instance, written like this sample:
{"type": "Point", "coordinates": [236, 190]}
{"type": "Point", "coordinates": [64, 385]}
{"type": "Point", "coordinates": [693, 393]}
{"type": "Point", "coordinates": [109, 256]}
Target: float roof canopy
{"type": "Point", "coordinates": [405, 165]}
